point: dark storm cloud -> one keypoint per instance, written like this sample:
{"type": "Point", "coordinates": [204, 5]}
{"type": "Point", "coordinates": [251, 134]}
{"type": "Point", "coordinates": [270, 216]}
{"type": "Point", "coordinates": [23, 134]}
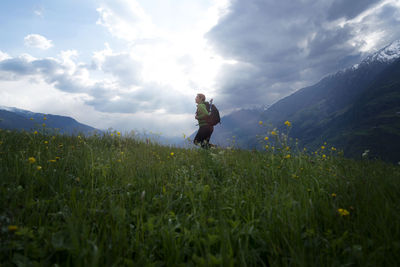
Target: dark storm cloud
{"type": "Point", "coordinates": [238, 83]}
{"type": "Point", "coordinates": [280, 45]}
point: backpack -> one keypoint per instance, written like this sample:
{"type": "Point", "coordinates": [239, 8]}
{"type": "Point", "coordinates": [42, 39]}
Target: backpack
{"type": "Point", "coordinates": [213, 118]}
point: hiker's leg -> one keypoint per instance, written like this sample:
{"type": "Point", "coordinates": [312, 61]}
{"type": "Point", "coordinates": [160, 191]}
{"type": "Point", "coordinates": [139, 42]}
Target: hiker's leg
{"type": "Point", "coordinates": [196, 140]}
{"type": "Point", "coordinates": [201, 135]}
{"type": "Point", "coordinates": [207, 130]}
{"type": "Point", "coordinates": [209, 133]}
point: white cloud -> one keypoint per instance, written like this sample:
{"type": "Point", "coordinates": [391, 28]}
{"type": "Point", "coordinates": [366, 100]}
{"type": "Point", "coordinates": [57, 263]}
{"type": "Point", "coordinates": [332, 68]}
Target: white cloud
{"type": "Point", "coordinates": [3, 56]}
{"type": "Point", "coordinates": [148, 82]}
{"type": "Point", "coordinates": [176, 57]}
{"type": "Point", "coordinates": [121, 91]}
{"type": "Point", "coordinates": [126, 20]}
{"type": "Point", "coordinates": [38, 41]}
{"type": "Point", "coordinates": [36, 95]}
{"type": "Point", "coordinates": [39, 12]}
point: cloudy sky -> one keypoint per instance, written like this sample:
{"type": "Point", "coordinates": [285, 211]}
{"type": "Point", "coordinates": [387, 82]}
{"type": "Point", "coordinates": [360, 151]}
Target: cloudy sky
{"type": "Point", "coordinates": [138, 64]}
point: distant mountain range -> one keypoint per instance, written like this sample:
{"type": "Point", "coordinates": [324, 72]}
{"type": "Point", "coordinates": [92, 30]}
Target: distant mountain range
{"type": "Point", "coordinates": [18, 119]}
{"type": "Point", "coordinates": [356, 109]}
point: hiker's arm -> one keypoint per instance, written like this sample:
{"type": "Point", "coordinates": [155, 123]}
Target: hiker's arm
{"type": "Point", "coordinates": [201, 112]}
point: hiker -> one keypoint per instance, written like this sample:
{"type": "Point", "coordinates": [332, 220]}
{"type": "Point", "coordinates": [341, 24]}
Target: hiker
{"type": "Point", "coordinates": [202, 116]}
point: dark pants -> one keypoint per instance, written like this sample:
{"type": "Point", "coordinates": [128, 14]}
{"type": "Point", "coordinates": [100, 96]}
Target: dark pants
{"type": "Point", "coordinates": [203, 136]}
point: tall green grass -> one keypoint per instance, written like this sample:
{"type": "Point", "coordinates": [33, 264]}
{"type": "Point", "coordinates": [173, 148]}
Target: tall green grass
{"type": "Point", "coordinates": [117, 201]}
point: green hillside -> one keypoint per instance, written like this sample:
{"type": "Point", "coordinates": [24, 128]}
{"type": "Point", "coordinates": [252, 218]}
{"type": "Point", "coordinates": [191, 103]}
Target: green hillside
{"type": "Point", "coordinates": [373, 121]}
{"type": "Point", "coordinates": [349, 110]}
{"type": "Point", "coordinates": [116, 201]}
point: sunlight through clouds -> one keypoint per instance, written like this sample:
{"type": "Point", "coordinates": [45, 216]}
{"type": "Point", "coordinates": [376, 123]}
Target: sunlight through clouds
{"type": "Point", "coordinates": [182, 60]}
{"type": "Point", "coordinates": [365, 24]}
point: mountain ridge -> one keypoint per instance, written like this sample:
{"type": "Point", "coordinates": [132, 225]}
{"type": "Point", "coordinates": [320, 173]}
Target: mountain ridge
{"type": "Point", "coordinates": [333, 101]}
{"type": "Point", "coordinates": [13, 118]}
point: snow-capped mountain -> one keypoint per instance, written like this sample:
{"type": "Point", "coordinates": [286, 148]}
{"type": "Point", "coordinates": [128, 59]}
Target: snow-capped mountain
{"type": "Point", "coordinates": [387, 54]}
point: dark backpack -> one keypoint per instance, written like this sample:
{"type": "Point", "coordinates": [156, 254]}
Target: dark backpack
{"type": "Point", "coordinates": [213, 118]}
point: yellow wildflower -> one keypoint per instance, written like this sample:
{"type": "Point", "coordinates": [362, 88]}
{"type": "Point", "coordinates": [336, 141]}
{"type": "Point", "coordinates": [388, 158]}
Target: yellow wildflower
{"type": "Point", "coordinates": [35, 132]}
{"type": "Point", "coordinates": [287, 156]}
{"type": "Point", "coordinates": [12, 228]}
{"type": "Point", "coordinates": [52, 160]}
{"type": "Point", "coordinates": [343, 212]}
{"type": "Point", "coordinates": [333, 195]}
{"type": "Point", "coordinates": [287, 148]}
{"type": "Point", "coordinates": [46, 142]}
{"type": "Point", "coordinates": [322, 147]}
{"type": "Point", "coordinates": [273, 133]}
{"type": "Point", "coordinates": [267, 146]}
{"type": "Point", "coordinates": [44, 124]}
{"type": "Point", "coordinates": [112, 134]}
{"type": "Point", "coordinates": [172, 154]}
{"type": "Point", "coordinates": [287, 123]}
{"type": "Point", "coordinates": [266, 138]}
{"type": "Point", "coordinates": [333, 149]}
{"type": "Point", "coordinates": [57, 158]}
{"type": "Point", "coordinates": [260, 122]}
{"type": "Point", "coordinates": [324, 156]}
{"type": "Point", "coordinates": [31, 119]}
{"type": "Point", "coordinates": [118, 133]}
{"type": "Point", "coordinates": [32, 160]}
{"type": "Point", "coordinates": [38, 167]}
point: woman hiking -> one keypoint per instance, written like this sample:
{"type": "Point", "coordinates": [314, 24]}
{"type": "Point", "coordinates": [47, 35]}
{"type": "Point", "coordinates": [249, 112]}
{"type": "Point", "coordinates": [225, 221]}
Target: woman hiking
{"type": "Point", "coordinates": [202, 116]}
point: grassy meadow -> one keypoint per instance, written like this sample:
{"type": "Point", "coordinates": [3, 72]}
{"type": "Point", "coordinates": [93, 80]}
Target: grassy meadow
{"type": "Point", "coordinates": [112, 200]}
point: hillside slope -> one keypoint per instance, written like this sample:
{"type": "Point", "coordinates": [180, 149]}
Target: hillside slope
{"type": "Point", "coordinates": [19, 119]}
{"type": "Point", "coordinates": [356, 109]}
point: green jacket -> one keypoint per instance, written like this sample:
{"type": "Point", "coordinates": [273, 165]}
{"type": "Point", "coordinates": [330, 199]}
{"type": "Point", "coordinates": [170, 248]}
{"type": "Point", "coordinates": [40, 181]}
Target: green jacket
{"type": "Point", "coordinates": [202, 114]}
